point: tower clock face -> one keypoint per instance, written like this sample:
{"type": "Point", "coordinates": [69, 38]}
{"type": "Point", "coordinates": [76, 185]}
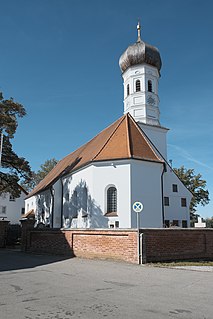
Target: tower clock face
{"type": "Point", "coordinates": [151, 100]}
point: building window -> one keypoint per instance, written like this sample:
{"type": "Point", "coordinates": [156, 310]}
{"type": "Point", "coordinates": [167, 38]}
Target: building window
{"type": "Point", "coordinates": [23, 211]}
{"type": "Point", "coordinates": [167, 223]}
{"type": "Point", "coordinates": [138, 86]}
{"type": "Point", "coordinates": [127, 89]}
{"type": "Point", "coordinates": [183, 202]}
{"type": "Point", "coordinates": [111, 200]}
{"type": "Point", "coordinates": [175, 223]}
{"type": "Point", "coordinates": [166, 201]}
{"type": "Point", "coordinates": [149, 86]}
{"type": "Point", "coordinates": [12, 198]}
{"type": "Point", "coordinates": [116, 224]}
{"type": "Point", "coordinates": [3, 210]}
{"type": "Point", "coordinates": [184, 224]}
{"type": "Point", "coordinates": [174, 188]}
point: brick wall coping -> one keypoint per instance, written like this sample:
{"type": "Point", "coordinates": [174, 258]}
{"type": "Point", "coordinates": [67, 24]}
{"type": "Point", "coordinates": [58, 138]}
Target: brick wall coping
{"type": "Point", "coordinates": [88, 230]}
{"type": "Point", "coordinates": [175, 229]}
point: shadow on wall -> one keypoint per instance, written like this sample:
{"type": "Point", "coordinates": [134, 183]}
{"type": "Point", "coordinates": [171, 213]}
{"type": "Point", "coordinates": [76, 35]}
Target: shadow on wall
{"type": "Point", "coordinates": [80, 209]}
{"type": "Point", "coordinates": [44, 204]}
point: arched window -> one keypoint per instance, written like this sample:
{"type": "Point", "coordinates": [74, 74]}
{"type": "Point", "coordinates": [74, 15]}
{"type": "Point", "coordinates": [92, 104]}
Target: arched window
{"type": "Point", "coordinates": [149, 86]}
{"type": "Point", "coordinates": [138, 86]}
{"type": "Point", "coordinates": [112, 200]}
{"type": "Point", "coordinates": [84, 200]}
{"type": "Point", "coordinates": [127, 89]}
{"type": "Point", "coordinates": [75, 204]}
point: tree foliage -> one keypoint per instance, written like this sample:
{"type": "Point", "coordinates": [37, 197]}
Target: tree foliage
{"type": "Point", "coordinates": [209, 222]}
{"type": "Point", "coordinates": [196, 185]}
{"type": "Point", "coordinates": [38, 176]}
{"type": "Point", "coordinates": [13, 167]}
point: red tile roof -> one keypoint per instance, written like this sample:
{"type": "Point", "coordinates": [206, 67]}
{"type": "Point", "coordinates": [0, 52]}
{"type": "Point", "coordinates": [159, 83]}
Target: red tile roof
{"type": "Point", "coordinates": [123, 139]}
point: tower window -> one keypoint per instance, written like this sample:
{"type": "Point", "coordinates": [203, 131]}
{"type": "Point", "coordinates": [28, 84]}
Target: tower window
{"type": "Point", "coordinates": [127, 89]}
{"type": "Point", "coordinates": [150, 86]}
{"type": "Point", "coordinates": [111, 200]}
{"type": "Point", "coordinates": [138, 86]}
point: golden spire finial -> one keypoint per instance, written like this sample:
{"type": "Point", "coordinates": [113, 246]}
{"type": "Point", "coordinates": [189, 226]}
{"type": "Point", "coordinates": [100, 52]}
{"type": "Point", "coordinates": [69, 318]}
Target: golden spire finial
{"type": "Point", "coordinates": [139, 31]}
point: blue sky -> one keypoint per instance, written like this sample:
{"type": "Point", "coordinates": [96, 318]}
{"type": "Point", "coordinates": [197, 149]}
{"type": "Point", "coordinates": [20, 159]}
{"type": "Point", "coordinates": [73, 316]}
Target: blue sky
{"type": "Point", "coordinates": [59, 58]}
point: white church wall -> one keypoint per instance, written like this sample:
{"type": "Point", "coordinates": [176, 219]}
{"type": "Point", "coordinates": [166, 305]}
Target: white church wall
{"type": "Point", "coordinates": [114, 173]}
{"type": "Point", "coordinates": [97, 178]}
{"type": "Point", "coordinates": [175, 211]}
{"type": "Point", "coordinates": [57, 190]}
{"type": "Point", "coordinates": [146, 188]}
{"type": "Point", "coordinates": [43, 211]}
{"type": "Point", "coordinates": [77, 213]}
{"type": "Point", "coordinates": [158, 137]}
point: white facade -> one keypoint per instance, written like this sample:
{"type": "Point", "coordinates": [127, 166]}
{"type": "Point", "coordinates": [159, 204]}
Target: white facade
{"type": "Point", "coordinates": [134, 180]}
{"type": "Point", "coordinates": [82, 198]}
{"type": "Point", "coordinates": [141, 93]}
{"type": "Point", "coordinates": [179, 198]}
{"type": "Point", "coordinates": [11, 208]}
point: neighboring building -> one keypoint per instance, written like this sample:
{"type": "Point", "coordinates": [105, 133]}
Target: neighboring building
{"type": "Point", "coordinates": [96, 186]}
{"type": "Point", "coordinates": [12, 208]}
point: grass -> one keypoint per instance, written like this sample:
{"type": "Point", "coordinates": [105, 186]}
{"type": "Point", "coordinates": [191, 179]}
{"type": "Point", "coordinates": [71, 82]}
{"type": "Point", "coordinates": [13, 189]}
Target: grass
{"type": "Point", "coordinates": [182, 263]}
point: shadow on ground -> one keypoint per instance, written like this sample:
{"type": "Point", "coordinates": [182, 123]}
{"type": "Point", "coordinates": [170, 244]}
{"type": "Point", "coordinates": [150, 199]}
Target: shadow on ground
{"type": "Point", "coordinates": [15, 259]}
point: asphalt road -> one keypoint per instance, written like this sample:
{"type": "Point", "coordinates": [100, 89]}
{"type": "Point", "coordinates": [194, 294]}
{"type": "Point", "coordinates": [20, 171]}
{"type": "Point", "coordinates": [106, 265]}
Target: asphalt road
{"type": "Point", "coordinates": [48, 287]}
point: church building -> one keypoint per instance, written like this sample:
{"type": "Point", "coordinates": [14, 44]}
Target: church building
{"type": "Point", "coordinates": [97, 185]}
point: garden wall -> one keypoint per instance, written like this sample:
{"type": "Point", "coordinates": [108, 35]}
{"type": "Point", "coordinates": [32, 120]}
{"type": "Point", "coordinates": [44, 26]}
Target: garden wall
{"type": "Point", "coordinates": [177, 244]}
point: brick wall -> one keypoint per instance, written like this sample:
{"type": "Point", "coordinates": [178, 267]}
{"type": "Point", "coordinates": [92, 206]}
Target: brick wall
{"type": "Point", "coordinates": [157, 244]}
{"type": "Point", "coordinates": [177, 244]}
{"type": "Point", "coordinates": [104, 244]}
{"type": "Point", "coordinates": [3, 232]}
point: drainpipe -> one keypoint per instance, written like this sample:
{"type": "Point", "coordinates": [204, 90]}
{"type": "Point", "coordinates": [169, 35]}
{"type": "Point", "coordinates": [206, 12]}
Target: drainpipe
{"type": "Point", "coordinates": [62, 194]}
{"type": "Point", "coordinates": [162, 194]}
{"type": "Point", "coordinates": [52, 192]}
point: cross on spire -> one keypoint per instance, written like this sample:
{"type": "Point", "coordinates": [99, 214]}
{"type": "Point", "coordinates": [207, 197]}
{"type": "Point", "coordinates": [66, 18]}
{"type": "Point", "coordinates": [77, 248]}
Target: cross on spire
{"type": "Point", "coordinates": [139, 31]}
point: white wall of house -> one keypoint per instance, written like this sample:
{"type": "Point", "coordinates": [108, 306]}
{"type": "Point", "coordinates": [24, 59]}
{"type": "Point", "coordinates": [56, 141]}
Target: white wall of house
{"type": "Point", "coordinates": [175, 211]}
{"type": "Point", "coordinates": [30, 203]}
{"type": "Point", "coordinates": [146, 188]}
{"type": "Point", "coordinates": [11, 208]}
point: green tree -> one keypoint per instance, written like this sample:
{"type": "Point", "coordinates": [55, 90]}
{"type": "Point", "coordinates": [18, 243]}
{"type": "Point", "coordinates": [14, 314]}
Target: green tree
{"type": "Point", "coordinates": [13, 167]}
{"type": "Point", "coordinates": [209, 222]}
{"type": "Point", "coordinates": [38, 176]}
{"type": "Point", "coordinates": [197, 186]}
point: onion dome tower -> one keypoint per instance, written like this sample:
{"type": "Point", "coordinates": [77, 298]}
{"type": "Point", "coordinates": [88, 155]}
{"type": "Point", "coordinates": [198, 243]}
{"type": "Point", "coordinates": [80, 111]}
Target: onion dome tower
{"type": "Point", "coordinates": [140, 65]}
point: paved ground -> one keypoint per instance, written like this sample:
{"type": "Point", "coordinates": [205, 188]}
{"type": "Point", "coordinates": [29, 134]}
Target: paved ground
{"type": "Point", "coordinates": [47, 287]}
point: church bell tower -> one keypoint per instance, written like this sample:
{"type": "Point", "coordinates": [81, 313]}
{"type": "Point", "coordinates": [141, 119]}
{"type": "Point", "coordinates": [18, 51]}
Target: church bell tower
{"type": "Point", "coordinates": [140, 65]}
